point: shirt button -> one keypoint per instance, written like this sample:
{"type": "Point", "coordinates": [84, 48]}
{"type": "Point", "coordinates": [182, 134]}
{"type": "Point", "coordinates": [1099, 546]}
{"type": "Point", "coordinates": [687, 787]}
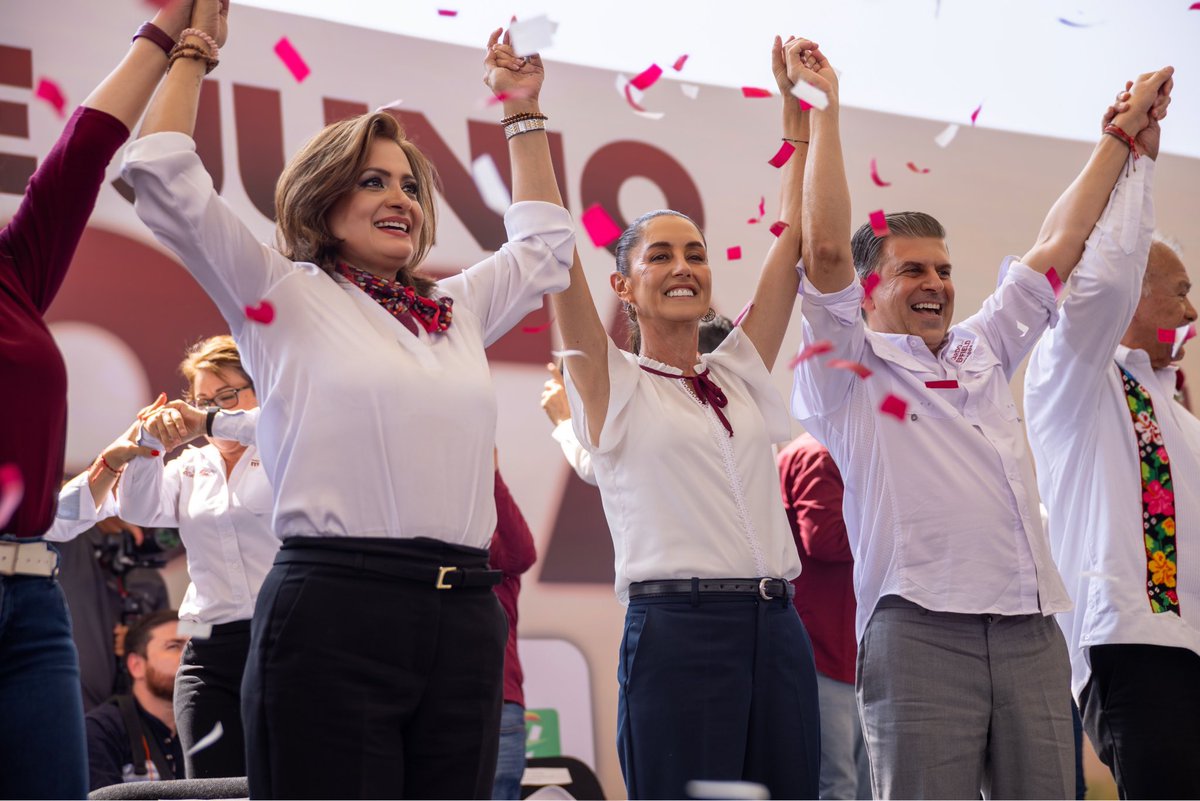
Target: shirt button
{"type": "Point", "coordinates": [913, 417]}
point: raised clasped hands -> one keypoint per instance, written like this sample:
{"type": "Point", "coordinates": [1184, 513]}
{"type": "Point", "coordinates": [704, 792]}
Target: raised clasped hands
{"type": "Point", "coordinates": [175, 423]}
{"type": "Point", "coordinates": [799, 59]}
{"type": "Point", "coordinates": [212, 17]}
{"type": "Point", "coordinates": [509, 76]}
{"type": "Point", "coordinates": [1140, 107]}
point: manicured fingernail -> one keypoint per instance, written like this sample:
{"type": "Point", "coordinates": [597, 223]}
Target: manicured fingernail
{"type": "Point", "coordinates": [154, 453]}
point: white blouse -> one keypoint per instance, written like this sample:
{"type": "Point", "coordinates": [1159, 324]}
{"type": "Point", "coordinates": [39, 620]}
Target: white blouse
{"type": "Point", "coordinates": [225, 525]}
{"type": "Point", "coordinates": [682, 497]}
{"type": "Point", "coordinates": [367, 429]}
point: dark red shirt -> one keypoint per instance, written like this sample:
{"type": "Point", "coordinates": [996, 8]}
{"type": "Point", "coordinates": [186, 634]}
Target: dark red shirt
{"type": "Point", "coordinates": [812, 494]}
{"type": "Point", "coordinates": [36, 248]}
{"type": "Point", "coordinates": [512, 552]}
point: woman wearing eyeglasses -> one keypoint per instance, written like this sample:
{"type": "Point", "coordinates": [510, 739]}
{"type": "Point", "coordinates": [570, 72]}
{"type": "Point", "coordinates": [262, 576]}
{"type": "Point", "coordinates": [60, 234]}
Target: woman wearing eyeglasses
{"type": "Point", "coordinates": [219, 498]}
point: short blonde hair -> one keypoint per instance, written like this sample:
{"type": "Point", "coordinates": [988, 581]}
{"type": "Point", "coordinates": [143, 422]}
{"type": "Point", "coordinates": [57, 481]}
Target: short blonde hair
{"type": "Point", "coordinates": [215, 355]}
{"type": "Point", "coordinates": [325, 169]}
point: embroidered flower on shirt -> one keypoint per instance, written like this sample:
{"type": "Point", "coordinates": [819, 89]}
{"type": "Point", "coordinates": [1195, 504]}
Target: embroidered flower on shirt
{"type": "Point", "coordinates": [1162, 456]}
{"type": "Point", "coordinates": [1168, 526]}
{"type": "Point", "coordinates": [1159, 500]}
{"type": "Point", "coordinates": [1147, 428]}
{"type": "Point", "coordinates": [1161, 570]}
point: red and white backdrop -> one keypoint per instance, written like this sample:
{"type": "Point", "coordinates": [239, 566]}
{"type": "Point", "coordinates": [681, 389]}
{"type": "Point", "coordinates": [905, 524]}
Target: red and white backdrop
{"type": "Point", "coordinates": [128, 309]}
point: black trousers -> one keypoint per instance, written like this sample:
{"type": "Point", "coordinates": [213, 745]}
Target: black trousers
{"type": "Point", "coordinates": [722, 689]}
{"type": "Point", "coordinates": [1141, 709]}
{"type": "Point", "coordinates": [208, 691]}
{"type": "Point", "coordinates": [364, 685]}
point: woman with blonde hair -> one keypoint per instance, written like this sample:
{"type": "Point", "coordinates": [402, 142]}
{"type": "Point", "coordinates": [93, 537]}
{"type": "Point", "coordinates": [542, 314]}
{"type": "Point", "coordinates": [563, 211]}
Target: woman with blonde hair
{"type": "Point", "coordinates": [377, 644]}
{"type": "Point", "coordinates": [219, 498]}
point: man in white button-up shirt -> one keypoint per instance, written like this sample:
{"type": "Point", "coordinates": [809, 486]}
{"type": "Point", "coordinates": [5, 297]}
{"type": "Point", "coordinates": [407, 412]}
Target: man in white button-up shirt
{"type": "Point", "coordinates": [962, 676]}
{"type": "Point", "coordinates": [1112, 447]}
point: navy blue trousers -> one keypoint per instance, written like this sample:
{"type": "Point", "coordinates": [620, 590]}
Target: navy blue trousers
{"type": "Point", "coordinates": [724, 690]}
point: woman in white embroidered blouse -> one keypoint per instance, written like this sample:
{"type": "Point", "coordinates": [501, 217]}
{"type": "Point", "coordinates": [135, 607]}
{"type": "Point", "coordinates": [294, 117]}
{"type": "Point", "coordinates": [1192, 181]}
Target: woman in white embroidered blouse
{"type": "Point", "coordinates": [377, 644]}
{"type": "Point", "coordinates": [716, 671]}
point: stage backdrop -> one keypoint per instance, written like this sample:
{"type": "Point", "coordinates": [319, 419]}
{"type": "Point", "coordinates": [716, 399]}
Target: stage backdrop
{"type": "Point", "coordinates": [128, 309]}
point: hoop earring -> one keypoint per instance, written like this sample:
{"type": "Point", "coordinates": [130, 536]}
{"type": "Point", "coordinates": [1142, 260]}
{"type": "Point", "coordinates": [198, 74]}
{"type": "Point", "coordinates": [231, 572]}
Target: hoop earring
{"type": "Point", "coordinates": [709, 315]}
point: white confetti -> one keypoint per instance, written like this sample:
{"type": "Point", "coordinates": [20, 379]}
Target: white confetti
{"type": "Point", "coordinates": [532, 36]}
{"type": "Point", "coordinates": [208, 739]}
{"type": "Point", "coordinates": [1024, 329]}
{"type": "Point", "coordinates": [1182, 334]}
{"type": "Point", "coordinates": [490, 185]}
{"type": "Point", "coordinates": [393, 104]}
{"type": "Point", "coordinates": [810, 95]}
{"type": "Point", "coordinates": [947, 136]}
{"type": "Point", "coordinates": [690, 89]}
{"type": "Point", "coordinates": [562, 354]}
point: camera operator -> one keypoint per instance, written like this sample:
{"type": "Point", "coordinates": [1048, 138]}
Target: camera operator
{"type": "Point", "coordinates": [132, 737]}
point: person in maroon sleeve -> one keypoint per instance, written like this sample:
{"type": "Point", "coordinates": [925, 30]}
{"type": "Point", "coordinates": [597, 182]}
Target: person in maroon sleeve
{"type": "Point", "coordinates": [41, 726]}
{"type": "Point", "coordinates": [512, 553]}
{"type": "Point", "coordinates": [812, 494]}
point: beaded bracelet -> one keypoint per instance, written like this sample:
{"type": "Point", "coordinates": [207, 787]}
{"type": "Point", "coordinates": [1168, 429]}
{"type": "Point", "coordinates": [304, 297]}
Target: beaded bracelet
{"type": "Point", "coordinates": [194, 52]}
{"type": "Point", "coordinates": [524, 115]}
{"type": "Point", "coordinates": [213, 50]}
{"type": "Point", "coordinates": [524, 126]}
{"type": "Point", "coordinates": [152, 33]}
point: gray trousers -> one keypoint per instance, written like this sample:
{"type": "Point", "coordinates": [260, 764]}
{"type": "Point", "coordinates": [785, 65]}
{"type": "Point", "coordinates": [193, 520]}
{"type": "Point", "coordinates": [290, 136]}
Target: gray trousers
{"type": "Point", "coordinates": [954, 704]}
{"type": "Point", "coordinates": [845, 772]}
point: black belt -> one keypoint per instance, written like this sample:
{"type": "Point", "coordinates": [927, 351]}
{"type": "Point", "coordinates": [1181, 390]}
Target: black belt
{"type": "Point", "coordinates": [768, 589]}
{"type": "Point", "coordinates": [441, 577]}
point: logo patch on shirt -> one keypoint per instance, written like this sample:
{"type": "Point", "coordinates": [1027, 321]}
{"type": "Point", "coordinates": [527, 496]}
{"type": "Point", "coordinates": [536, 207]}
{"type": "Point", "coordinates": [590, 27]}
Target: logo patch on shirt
{"type": "Point", "coordinates": [189, 472]}
{"type": "Point", "coordinates": [254, 463]}
{"type": "Point", "coordinates": [962, 351]}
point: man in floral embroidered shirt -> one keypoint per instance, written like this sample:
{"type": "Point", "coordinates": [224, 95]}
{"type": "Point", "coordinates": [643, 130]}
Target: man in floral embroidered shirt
{"type": "Point", "coordinates": [1119, 471]}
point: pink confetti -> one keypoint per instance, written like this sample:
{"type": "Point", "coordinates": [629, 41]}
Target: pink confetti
{"type": "Point", "coordinates": [777, 227]}
{"type": "Point", "coordinates": [599, 225]}
{"type": "Point", "coordinates": [815, 349]}
{"type": "Point", "coordinates": [679, 62]}
{"type": "Point", "coordinates": [49, 91]}
{"type": "Point", "coordinates": [515, 94]}
{"type": "Point", "coordinates": [628, 91]}
{"type": "Point", "coordinates": [879, 223]}
{"type": "Point", "coordinates": [537, 329]}
{"type": "Point", "coordinates": [734, 253]}
{"type": "Point", "coordinates": [845, 364]}
{"type": "Point", "coordinates": [894, 406]}
{"type": "Point", "coordinates": [947, 384]}
{"type": "Point", "coordinates": [1194, 7]}
{"type": "Point", "coordinates": [754, 91]}
{"type": "Point", "coordinates": [742, 315]}
{"type": "Point", "coordinates": [975, 114]}
{"type": "Point", "coordinates": [12, 489]}
{"type": "Point", "coordinates": [875, 176]}
{"type": "Point", "coordinates": [803, 105]}
{"type": "Point", "coordinates": [645, 79]}
{"type": "Point", "coordinates": [291, 59]}
{"type": "Point", "coordinates": [869, 284]}
{"type": "Point", "coordinates": [1056, 283]}
{"type": "Point", "coordinates": [1166, 335]}
{"type": "Point", "coordinates": [915, 168]}
{"type": "Point", "coordinates": [263, 313]}
{"type": "Point", "coordinates": [762, 211]}
{"type": "Point", "coordinates": [780, 158]}
{"type": "Point", "coordinates": [446, 12]}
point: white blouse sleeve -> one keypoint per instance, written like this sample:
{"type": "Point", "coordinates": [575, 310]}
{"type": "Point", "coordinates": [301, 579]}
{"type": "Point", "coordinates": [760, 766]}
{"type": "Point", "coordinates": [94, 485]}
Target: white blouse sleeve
{"type": "Point", "coordinates": [623, 377]}
{"type": "Point", "coordinates": [509, 284]}
{"type": "Point", "coordinates": [737, 355]}
{"type": "Point", "coordinates": [175, 198]}
{"type": "Point", "coordinates": [77, 511]}
{"type": "Point", "coordinates": [576, 455]}
{"type": "Point", "coordinates": [149, 490]}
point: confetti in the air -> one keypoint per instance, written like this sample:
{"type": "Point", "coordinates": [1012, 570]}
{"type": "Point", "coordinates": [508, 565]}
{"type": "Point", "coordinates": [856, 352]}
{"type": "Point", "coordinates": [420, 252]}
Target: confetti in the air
{"type": "Point", "coordinates": [679, 62]}
{"type": "Point", "coordinates": [691, 90]}
{"type": "Point", "coordinates": [946, 136]}
{"type": "Point", "coordinates": [291, 59]}
{"type": "Point", "coordinates": [915, 168]}
{"type": "Point", "coordinates": [208, 739]}
{"type": "Point", "coordinates": [742, 314]}
{"type": "Point", "coordinates": [879, 223]}
{"type": "Point", "coordinates": [599, 226]}
{"type": "Point", "coordinates": [562, 354]}
{"type": "Point", "coordinates": [263, 313]}
{"type": "Point", "coordinates": [946, 384]}
{"type": "Point", "coordinates": [862, 371]}
{"type": "Point", "coordinates": [1055, 281]}
{"type": "Point", "coordinates": [754, 91]}
{"type": "Point", "coordinates": [12, 489]}
{"type": "Point", "coordinates": [777, 227]}
{"type": "Point", "coordinates": [782, 155]}
{"type": "Point", "coordinates": [531, 36]}
{"type": "Point", "coordinates": [815, 349]}
{"type": "Point", "coordinates": [537, 329]}
{"type": "Point", "coordinates": [810, 95]}
{"type": "Point", "coordinates": [875, 175]}
{"type": "Point", "coordinates": [490, 184]}
{"type": "Point", "coordinates": [869, 284]}
{"type": "Point", "coordinates": [894, 407]}
{"type": "Point", "coordinates": [447, 12]}
{"type": "Point", "coordinates": [49, 91]}
{"type": "Point", "coordinates": [646, 78]}
{"type": "Point", "coordinates": [733, 253]}
{"type": "Point", "coordinates": [975, 114]}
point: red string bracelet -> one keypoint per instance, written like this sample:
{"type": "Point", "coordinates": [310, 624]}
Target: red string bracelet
{"type": "Point", "coordinates": [1115, 132]}
{"type": "Point", "coordinates": [104, 462]}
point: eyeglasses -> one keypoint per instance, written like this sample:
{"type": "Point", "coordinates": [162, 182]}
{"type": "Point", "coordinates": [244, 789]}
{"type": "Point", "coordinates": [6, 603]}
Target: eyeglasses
{"type": "Point", "coordinates": [225, 399]}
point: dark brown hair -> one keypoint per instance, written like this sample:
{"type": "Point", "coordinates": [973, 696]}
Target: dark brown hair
{"type": "Point", "coordinates": [325, 169]}
{"type": "Point", "coordinates": [866, 248]}
{"type": "Point", "coordinates": [631, 237]}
